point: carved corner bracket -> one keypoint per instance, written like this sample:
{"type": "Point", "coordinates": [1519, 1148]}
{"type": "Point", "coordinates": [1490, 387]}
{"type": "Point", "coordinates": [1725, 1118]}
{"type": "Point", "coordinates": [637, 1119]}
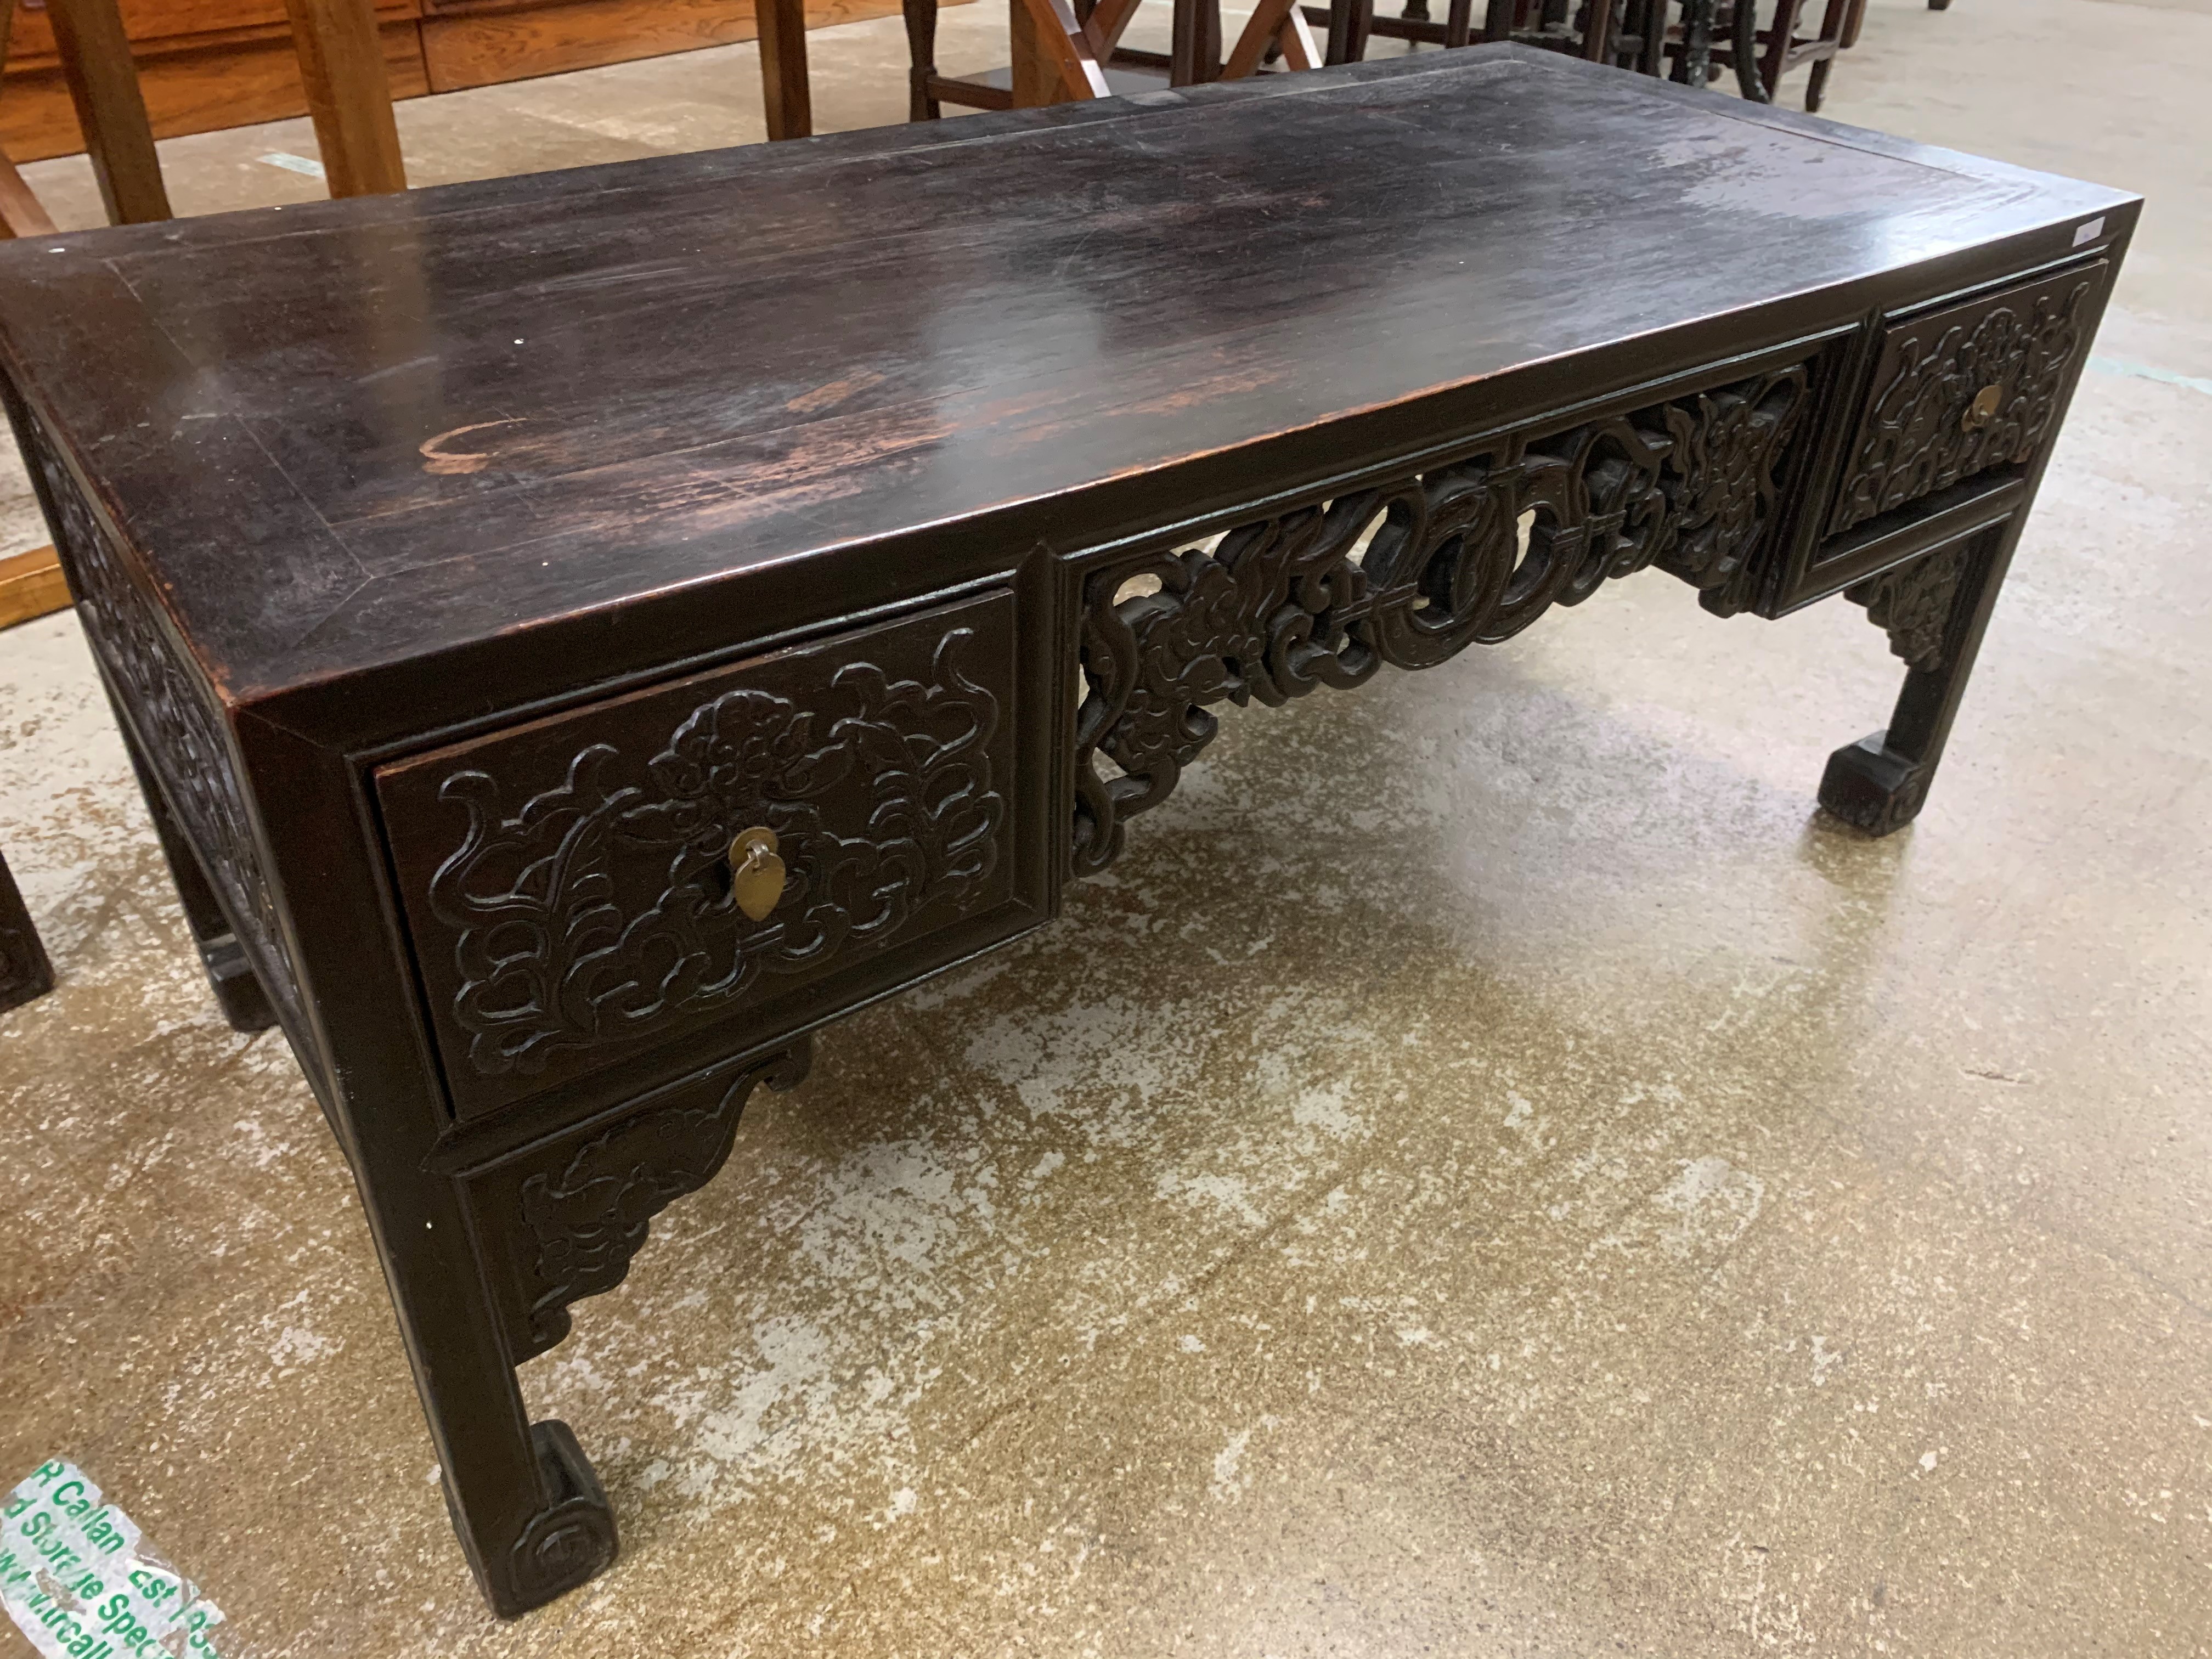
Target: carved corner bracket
{"type": "Point", "coordinates": [1914, 603]}
{"type": "Point", "coordinates": [1412, 572]}
{"type": "Point", "coordinates": [569, 1217]}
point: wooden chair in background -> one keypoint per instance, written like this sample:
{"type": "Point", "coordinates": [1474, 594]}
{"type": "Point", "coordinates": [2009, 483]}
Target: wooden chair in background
{"type": "Point", "coordinates": [1598, 30]}
{"type": "Point", "coordinates": [1061, 55]}
{"type": "Point", "coordinates": [1761, 56]}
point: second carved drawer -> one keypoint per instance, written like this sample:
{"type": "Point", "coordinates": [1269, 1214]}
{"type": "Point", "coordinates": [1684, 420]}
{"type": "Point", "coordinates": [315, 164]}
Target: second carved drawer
{"type": "Point", "coordinates": [570, 887]}
{"type": "Point", "coordinates": [1963, 390]}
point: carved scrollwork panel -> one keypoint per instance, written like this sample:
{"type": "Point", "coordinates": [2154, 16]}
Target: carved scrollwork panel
{"type": "Point", "coordinates": [1412, 572]}
{"type": "Point", "coordinates": [585, 903]}
{"type": "Point", "coordinates": [184, 733]}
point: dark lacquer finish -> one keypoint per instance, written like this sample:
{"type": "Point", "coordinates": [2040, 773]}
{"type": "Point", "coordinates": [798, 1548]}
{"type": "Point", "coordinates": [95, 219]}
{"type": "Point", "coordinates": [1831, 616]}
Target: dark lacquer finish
{"type": "Point", "coordinates": [24, 970]}
{"type": "Point", "coordinates": [581, 633]}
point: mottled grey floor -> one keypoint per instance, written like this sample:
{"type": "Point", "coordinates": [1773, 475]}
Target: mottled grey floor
{"type": "Point", "coordinates": [1492, 1172]}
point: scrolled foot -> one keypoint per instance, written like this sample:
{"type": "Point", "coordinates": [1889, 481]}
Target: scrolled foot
{"type": "Point", "coordinates": [1870, 786]}
{"type": "Point", "coordinates": [570, 1540]}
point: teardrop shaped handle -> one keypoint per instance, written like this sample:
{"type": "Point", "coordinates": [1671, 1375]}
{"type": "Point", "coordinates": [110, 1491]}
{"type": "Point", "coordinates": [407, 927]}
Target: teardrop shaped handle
{"type": "Point", "coordinates": [756, 874]}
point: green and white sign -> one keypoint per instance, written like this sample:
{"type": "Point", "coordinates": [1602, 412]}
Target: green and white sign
{"type": "Point", "coordinates": [79, 1581]}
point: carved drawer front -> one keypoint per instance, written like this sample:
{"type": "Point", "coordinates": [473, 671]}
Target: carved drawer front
{"type": "Point", "coordinates": [570, 886]}
{"type": "Point", "coordinates": [1964, 390]}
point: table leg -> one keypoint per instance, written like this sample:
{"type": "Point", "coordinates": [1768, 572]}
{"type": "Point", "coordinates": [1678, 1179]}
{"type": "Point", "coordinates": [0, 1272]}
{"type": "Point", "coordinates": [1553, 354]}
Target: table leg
{"type": "Point", "coordinates": [783, 68]}
{"type": "Point", "coordinates": [1935, 610]}
{"type": "Point", "coordinates": [238, 992]}
{"type": "Point", "coordinates": [103, 85]}
{"type": "Point", "coordinates": [342, 65]}
{"type": "Point", "coordinates": [24, 970]}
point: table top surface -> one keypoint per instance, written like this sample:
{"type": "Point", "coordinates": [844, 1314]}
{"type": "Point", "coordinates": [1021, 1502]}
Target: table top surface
{"type": "Point", "coordinates": [363, 433]}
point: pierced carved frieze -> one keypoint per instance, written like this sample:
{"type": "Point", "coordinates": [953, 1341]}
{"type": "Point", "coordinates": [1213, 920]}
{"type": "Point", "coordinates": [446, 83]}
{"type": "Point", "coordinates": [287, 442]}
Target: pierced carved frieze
{"type": "Point", "coordinates": [1955, 398]}
{"type": "Point", "coordinates": [587, 1211]}
{"type": "Point", "coordinates": [600, 909]}
{"type": "Point", "coordinates": [1412, 572]}
{"type": "Point", "coordinates": [182, 730]}
{"type": "Point", "coordinates": [1914, 602]}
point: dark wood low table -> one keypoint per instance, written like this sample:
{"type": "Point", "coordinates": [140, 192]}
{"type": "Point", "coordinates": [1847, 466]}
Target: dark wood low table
{"type": "Point", "coordinates": [583, 632]}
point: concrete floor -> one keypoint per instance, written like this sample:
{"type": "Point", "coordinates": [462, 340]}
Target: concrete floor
{"type": "Point", "coordinates": [1492, 1172]}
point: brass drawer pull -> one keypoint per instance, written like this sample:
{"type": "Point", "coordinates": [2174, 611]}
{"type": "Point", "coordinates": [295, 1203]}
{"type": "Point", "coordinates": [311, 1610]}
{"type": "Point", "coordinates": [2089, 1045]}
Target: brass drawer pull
{"type": "Point", "coordinates": [755, 872]}
{"type": "Point", "coordinates": [1983, 410]}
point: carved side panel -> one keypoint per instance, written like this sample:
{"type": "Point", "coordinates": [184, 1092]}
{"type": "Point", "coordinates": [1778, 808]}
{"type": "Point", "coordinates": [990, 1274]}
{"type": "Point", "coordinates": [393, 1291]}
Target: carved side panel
{"type": "Point", "coordinates": [1913, 602]}
{"type": "Point", "coordinates": [24, 970]}
{"type": "Point", "coordinates": [183, 729]}
{"type": "Point", "coordinates": [1924, 430]}
{"type": "Point", "coordinates": [568, 885]}
{"type": "Point", "coordinates": [1413, 572]}
{"type": "Point", "coordinates": [564, 1220]}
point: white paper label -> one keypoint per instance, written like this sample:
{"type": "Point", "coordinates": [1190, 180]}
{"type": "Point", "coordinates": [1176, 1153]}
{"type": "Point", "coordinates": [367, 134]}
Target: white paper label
{"type": "Point", "coordinates": [80, 1583]}
{"type": "Point", "coordinates": [2088, 232]}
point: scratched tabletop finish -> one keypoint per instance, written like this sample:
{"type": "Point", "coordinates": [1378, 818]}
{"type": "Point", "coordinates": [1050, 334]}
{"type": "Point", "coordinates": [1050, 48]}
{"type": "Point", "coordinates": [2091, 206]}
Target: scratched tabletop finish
{"type": "Point", "coordinates": [359, 432]}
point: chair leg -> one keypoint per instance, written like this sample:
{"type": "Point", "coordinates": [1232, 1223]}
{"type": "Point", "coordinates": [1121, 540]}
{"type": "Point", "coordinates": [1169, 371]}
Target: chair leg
{"type": "Point", "coordinates": [1194, 54]}
{"type": "Point", "coordinates": [784, 88]}
{"type": "Point", "coordinates": [103, 85]}
{"type": "Point", "coordinates": [22, 214]}
{"type": "Point", "coordinates": [341, 57]}
{"type": "Point", "coordinates": [1816, 89]}
{"type": "Point", "coordinates": [1053, 59]}
{"type": "Point", "coordinates": [921, 59]}
{"type": "Point", "coordinates": [1652, 22]}
{"type": "Point", "coordinates": [1833, 26]}
{"type": "Point", "coordinates": [1744, 48]}
{"type": "Point", "coordinates": [1597, 29]}
{"type": "Point", "coordinates": [1779, 38]}
{"type": "Point", "coordinates": [1349, 23]}
{"type": "Point", "coordinates": [1459, 23]}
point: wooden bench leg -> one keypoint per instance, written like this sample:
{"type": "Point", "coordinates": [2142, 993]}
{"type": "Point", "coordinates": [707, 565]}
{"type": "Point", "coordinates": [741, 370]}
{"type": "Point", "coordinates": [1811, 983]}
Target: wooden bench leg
{"type": "Point", "coordinates": [783, 68]}
{"type": "Point", "coordinates": [341, 64]}
{"type": "Point", "coordinates": [103, 85]}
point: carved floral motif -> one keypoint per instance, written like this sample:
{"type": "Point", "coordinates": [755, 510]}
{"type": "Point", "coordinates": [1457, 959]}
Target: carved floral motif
{"type": "Point", "coordinates": [1412, 572]}
{"type": "Point", "coordinates": [565, 937]}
